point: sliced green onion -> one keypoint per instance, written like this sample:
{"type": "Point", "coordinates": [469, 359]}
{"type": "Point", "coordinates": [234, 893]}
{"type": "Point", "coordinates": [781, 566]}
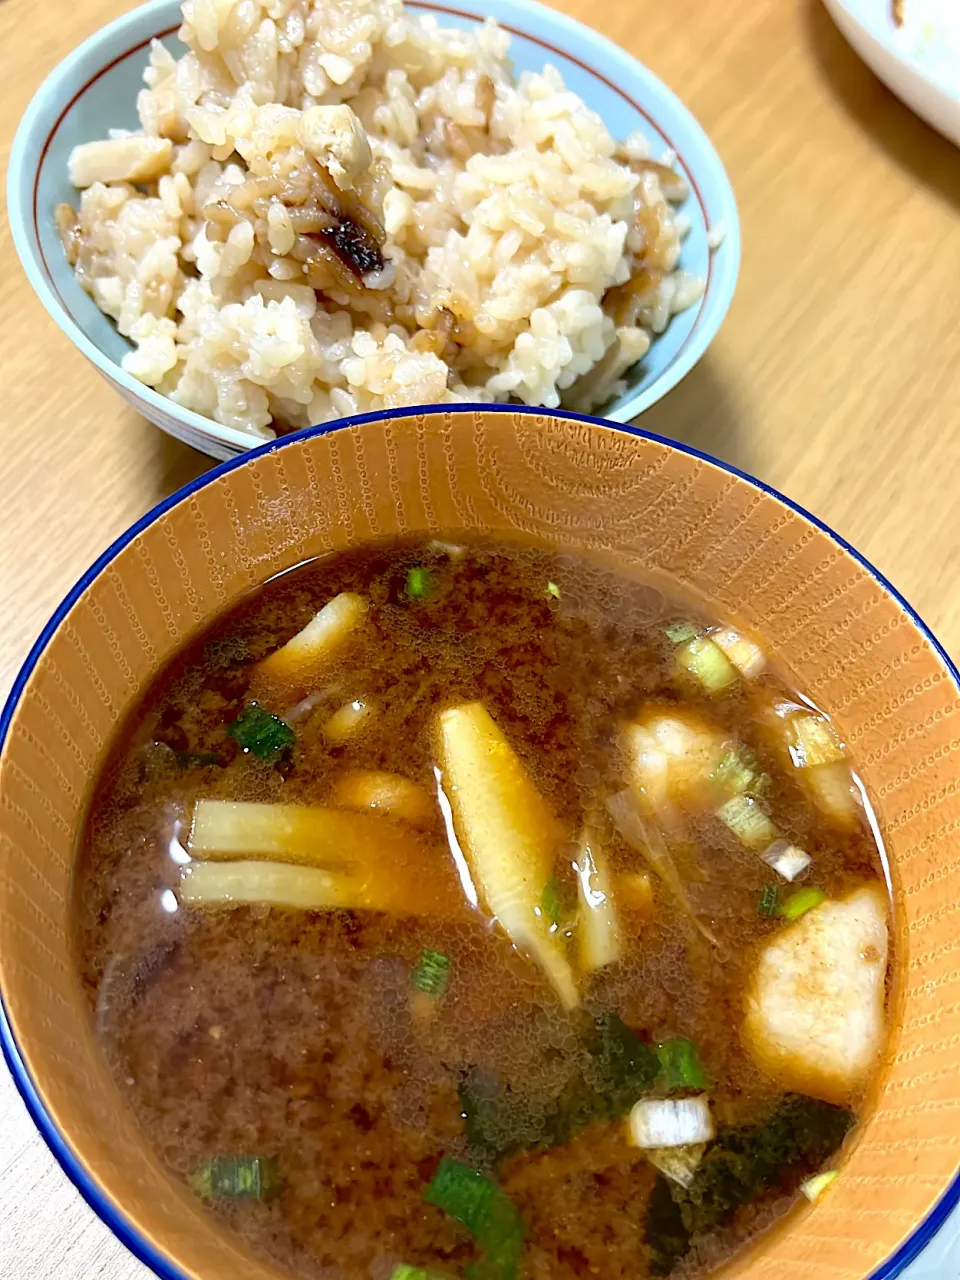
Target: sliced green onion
{"type": "Point", "coordinates": [432, 973]}
{"type": "Point", "coordinates": [403, 1271]}
{"type": "Point", "coordinates": [554, 903]}
{"type": "Point", "coordinates": [553, 591]}
{"type": "Point", "coordinates": [768, 901]}
{"type": "Point", "coordinates": [680, 632]}
{"type": "Point", "coordinates": [748, 822]}
{"type": "Point", "coordinates": [680, 1064]}
{"type": "Point", "coordinates": [799, 903]}
{"type": "Point", "coordinates": [786, 859]}
{"type": "Point", "coordinates": [707, 663]}
{"type": "Point", "coordinates": [812, 741]}
{"type": "Point", "coordinates": [418, 582]}
{"type": "Point", "coordinates": [463, 1193]}
{"type": "Point", "coordinates": [679, 1164]}
{"type": "Point", "coordinates": [814, 1187]}
{"type": "Point", "coordinates": [236, 1178]}
{"type": "Point", "coordinates": [486, 1212]}
{"type": "Point", "coordinates": [737, 771]}
{"type": "Point", "coordinates": [746, 656]}
{"type": "Point", "coordinates": [670, 1122]}
{"type": "Point", "coordinates": [261, 733]}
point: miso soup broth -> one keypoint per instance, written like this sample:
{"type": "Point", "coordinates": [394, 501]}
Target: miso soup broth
{"type": "Point", "coordinates": [471, 910]}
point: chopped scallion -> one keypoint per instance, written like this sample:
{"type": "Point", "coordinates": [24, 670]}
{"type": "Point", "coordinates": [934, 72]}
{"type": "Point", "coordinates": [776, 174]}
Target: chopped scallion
{"type": "Point", "coordinates": [768, 901]}
{"type": "Point", "coordinates": [707, 663]}
{"type": "Point", "coordinates": [418, 582]}
{"type": "Point", "coordinates": [799, 903]}
{"type": "Point", "coordinates": [487, 1213]}
{"type": "Point", "coordinates": [679, 1164]}
{"type": "Point", "coordinates": [786, 859]}
{"type": "Point", "coordinates": [812, 741]}
{"type": "Point", "coordinates": [553, 591]}
{"type": "Point", "coordinates": [261, 733]}
{"type": "Point", "coordinates": [670, 1122]}
{"type": "Point", "coordinates": [236, 1178]}
{"type": "Point", "coordinates": [432, 973]}
{"type": "Point", "coordinates": [403, 1271]}
{"type": "Point", "coordinates": [462, 1192]}
{"type": "Point", "coordinates": [813, 1188]}
{"type": "Point", "coordinates": [737, 771]}
{"type": "Point", "coordinates": [746, 656]}
{"type": "Point", "coordinates": [748, 822]}
{"type": "Point", "coordinates": [680, 1064]}
{"type": "Point", "coordinates": [553, 902]}
{"type": "Point", "coordinates": [680, 632]}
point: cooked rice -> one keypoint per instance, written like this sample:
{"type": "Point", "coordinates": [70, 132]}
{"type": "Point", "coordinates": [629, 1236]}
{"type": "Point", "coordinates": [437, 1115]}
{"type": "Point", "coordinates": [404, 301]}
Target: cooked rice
{"type": "Point", "coordinates": [334, 207]}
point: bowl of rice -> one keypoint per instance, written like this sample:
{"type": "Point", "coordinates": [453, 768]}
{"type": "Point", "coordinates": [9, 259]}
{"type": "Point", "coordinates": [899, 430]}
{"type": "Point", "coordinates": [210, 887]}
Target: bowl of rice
{"type": "Point", "coordinates": [258, 215]}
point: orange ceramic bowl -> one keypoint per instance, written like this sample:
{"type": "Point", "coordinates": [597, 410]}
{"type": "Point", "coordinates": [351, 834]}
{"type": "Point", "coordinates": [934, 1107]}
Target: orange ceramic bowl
{"type": "Point", "coordinates": [852, 641]}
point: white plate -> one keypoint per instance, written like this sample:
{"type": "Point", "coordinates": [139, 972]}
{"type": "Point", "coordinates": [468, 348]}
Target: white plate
{"type": "Point", "coordinates": [868, 25]}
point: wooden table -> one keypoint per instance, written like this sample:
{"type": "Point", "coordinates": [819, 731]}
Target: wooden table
{"type": "Point", "coordinates": [836, 378]}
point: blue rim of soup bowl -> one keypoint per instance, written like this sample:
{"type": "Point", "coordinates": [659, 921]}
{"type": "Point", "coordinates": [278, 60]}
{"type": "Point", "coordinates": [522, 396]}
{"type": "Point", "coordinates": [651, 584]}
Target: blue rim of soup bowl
{"type": "Point", "coordinates": [103, 1205]}
{"type": "Point", "coordinates": [657, 107]}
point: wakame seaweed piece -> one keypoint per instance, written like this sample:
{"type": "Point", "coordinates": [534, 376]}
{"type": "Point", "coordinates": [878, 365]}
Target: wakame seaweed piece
{"type": "Point", "coordinates": [628, 1065]}
{"type": "Point", "coordinates": [668, 1239]}
{"type": "Point", "coordinates": [769, 901]}
{"type": "Point", "coordinates": [622, 1068]}
{"type": "Point", "coordinates": [196, 759]}
{"type": "Point", "coordinates": [796, 1137]}
{"type": "Point", "coordinates": [162, 754]}
{"type": "Point", "coordinates": [500, 1122]}
{"type": "Point", "coordinates": [236, 1178]}
{"type": "Point", "coordinates": [487, 1213]}
{"type": "Point", "coordinates": [260, 732]}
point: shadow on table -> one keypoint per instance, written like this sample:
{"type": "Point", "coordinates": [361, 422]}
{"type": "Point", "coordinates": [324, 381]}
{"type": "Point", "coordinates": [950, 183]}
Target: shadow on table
{"type": "Point", "coordinates": [913, 145]}
{"type": "Point", "coordinates": [168, 463]}
{"type": "Point", "coordinates": [700, 413]}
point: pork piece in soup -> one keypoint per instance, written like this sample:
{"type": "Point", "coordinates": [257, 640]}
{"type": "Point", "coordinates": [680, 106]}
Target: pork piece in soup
{"type": "Point", "coordinates": [470, 910]}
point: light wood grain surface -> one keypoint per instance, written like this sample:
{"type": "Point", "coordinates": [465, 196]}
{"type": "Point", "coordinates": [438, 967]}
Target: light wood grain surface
{"type": "Point", "coordinates": [835, 378]}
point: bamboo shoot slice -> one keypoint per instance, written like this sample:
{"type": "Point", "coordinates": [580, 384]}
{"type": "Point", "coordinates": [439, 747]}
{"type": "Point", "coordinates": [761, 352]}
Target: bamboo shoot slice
{"type": "Point", "coordinates": [315, 836]}
{"type": "Point", "coordinates": [319, 641]}
{"type": "Point", "coordinates": [311, 834]}
{"type": "Point", "coordinates": [507, 832]}
{"type": "Point", "coordinates": [647, 839]}
{"type": "Point", "coordinates": [281, 884]}
{"type": "Point", "coordinates": [598, 927]}
{"type": "Point", "coordinates": [224, 884]}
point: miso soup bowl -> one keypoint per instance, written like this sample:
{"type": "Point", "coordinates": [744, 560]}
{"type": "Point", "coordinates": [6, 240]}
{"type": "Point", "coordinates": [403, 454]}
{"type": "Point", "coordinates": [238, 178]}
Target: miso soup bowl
{"type": "Point", "coordinates": [586, 486]}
